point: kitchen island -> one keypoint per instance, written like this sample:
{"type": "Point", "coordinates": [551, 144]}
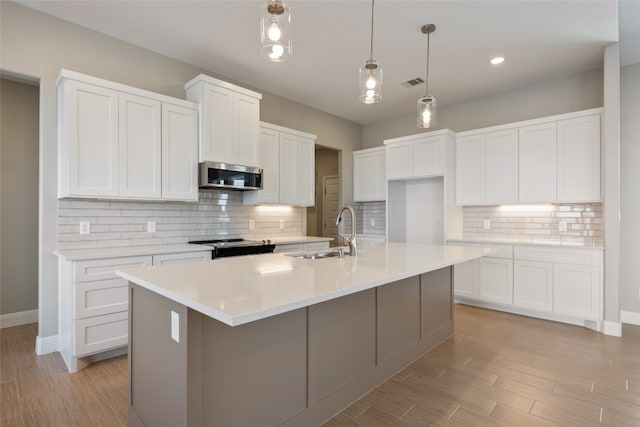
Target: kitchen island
{"type": "Point", "coordinates": [275, 340]}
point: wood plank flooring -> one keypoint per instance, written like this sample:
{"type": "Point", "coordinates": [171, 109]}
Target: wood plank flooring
{"type": "Point", "coordinates": [496, 370]}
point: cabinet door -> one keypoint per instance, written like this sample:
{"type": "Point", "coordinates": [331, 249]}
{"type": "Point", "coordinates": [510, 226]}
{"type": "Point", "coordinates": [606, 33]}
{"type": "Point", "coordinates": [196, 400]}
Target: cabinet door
{"type": "Point", "coordinates": [165, 259]}
{"type": "Point", "coordinates": [470, 170]}
{"type": "Point", "coordinates": [399, 162]}
{"type": "Point", "coordinates": [429, 156]}
{"type": "Point", "coordinates": [579, 159]}
{"type": "Point", "coordinates": [496, 280]}
{"type": "Point", "coordinates": [89, 150]}
{"type": "Point", "coordinates": [100, 333]}
{"type": "Point", "coordinates": [179, 153]}
{"type": "Point", "coordinates": [465, 279]}
{"type": "Point", "coordinates": [576, 291]}
{"type": "Point", "coordinates": [246, 130]}
{"type": "Point", "coordinates": [379, 175]}
{"type": "Point", "coordinates": [217, 141]}
{"type": "Point", "coordinates": [288, 169]}
{"type": "Point", "coordinates": [533, 285]}
{"type": "Point", "coordinates": [501, 167]}
{"type": "Point", "coordinates": [306, 172]}
{"type": "Point", "coordinates": [270, 164]}
{"type": "Point", "coordinates": [139, 147]}
{"type": "Point", "coordinates": [363, 177]}
{"type": "Point", "coordinates": [537, 163]}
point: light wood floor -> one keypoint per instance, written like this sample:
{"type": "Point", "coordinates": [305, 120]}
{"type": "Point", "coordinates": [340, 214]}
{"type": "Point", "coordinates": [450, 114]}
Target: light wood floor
{"type": "Point", "coordinates": [496, 370]}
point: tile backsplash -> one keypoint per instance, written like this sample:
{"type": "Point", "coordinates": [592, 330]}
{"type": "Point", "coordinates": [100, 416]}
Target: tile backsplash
{"type": "Point", "coordinates": [218, 214]}
{"type": "Point", "coordinates": [371, 218]}
{"type": "Point", "coordinates": [537, 223]}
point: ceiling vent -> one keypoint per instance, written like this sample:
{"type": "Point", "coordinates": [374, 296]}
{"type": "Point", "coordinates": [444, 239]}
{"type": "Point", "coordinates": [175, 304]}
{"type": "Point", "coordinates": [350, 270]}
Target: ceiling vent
{"type": "Point", "coordinates": [413, 82]}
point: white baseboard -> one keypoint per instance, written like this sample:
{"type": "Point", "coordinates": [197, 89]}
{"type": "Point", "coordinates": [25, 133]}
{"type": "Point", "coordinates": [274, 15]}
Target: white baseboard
{"type": "Point", "coordinates": [19, 318]}
{"type": "Point", "coordinates": [612, 328]}
{"type": "Point", "coordinates": [46, 345]}
{"type": "Point", "coordinates": [630, 317]}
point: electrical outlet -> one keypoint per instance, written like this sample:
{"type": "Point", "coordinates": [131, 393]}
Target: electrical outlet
{"type": "Point", "coordinates": [562, 226]}
{"type": "Point", "coordinates": [252, 224]}
{"type": "Point", "coordinates": [373, 222]}
{"type": "Point", "coordinates": [151, 226]}
{"type": "Point", "coordinates": [282, 224]}
{"type": "Point", "coordinates": [486, 224]}
{"type": "Point", "coordinates": [175, 326]}
{"type": "Point", "coordinates": [85, 227]}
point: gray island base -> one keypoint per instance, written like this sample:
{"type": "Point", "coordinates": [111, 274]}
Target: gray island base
{"type": "Point", "coordinates": [299, 368]}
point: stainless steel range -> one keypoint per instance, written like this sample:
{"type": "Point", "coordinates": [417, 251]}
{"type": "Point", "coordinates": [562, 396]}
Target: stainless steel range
{"type": "Point", "coordinates": [236, 247]}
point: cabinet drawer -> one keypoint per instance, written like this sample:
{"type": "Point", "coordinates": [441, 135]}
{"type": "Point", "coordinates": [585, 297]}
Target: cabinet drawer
{"type": "Point", "coordinates": [289, 248]}
{"type": "Point", "coordinates": [100, 333]}
{"type": "Point", "coordinates": [181, 257]}
{"type": "Point", "coordinates": [104, 269]}
{"type": "Point", "coordinates": [556, 255]}
{"type": "Point", "coordinates": [100, 297]}
{"type": "Point", "coordinates": [316, 245]}
{"type": "Point", "coordinates": [501, 251]}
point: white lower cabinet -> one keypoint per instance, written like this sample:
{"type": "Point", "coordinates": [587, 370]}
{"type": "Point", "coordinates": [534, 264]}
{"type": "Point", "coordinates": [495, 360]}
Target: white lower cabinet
{"type": "Point", "coordinates": [94, 303]}
{"type": "Point", "coordinates": [465, 279]}
{"type": "Point", "coordinates": [496, 280]}
{"type": "Point", "coordinates": [533, 285]}
{"type": "Point", "coordinates": [576, 291]}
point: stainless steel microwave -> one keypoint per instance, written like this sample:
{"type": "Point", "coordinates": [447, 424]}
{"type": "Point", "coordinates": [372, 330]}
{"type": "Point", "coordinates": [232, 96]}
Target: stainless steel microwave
{"type": "Point", "coordinates": [233, 177]}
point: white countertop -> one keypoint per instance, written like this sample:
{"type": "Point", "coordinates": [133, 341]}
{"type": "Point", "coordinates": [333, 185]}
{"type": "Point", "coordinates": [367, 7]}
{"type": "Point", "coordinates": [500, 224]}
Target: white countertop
{"type": "Point", "coordinates": [243, 289]}
{"type": "Point", "coordinates": [83, 254]}
{"type": "Point", "coordinates": [546, 243]}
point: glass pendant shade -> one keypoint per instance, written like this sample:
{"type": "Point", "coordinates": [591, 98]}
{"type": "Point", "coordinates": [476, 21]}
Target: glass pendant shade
{"type": "Point", "coordinates": [426, 112]}
{"type": "Point", "coordinates": [275, 31]}
{"type": "Point", "coordinates": [370, 77]}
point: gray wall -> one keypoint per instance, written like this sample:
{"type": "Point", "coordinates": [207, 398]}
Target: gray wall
{"type": "Point", "coordinates": [574, 92]}
{"type": "Point", "coordinates": [38, 45]}
{"type": "Point", "coordinates": [629, 192]}
{"type": "Point", "coordinates": [19, 194]}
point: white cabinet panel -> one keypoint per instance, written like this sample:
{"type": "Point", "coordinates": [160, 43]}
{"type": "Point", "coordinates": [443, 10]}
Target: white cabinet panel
{"type": "Point", "coordinates": [577, 291]}
{"type": "Point", "coordinates": [306, 167]}
{"type": "Point", "coordinates": [103, 269]}
{"type": "Point", "coordinates": [181, 257]}
{"type": "Point", "coordinates": [139, 147]}
{"type": "Point", "coordinates": [288, 170]}
{"type": "Point", "coordinates": [270, 164]}
{"type": "Point", "coordinates": [496, 280]}
{"type": "Point", "coordinates": [399, 161]}
{"type": "Point", "coordinates": [470, 173]}
{"type": "Point", "coordinates": [465, 279]}
{"type": "Point", "coordinates": [501, 167]}
{"type": "Point", "coordinates": [533, 285]}
{"type": "Point", "coordinates": [100, 333]}
{"type": "Point", "coordinates": [429, 156]}
{"type": "Point", "coordinates": [88, 152]}
{"type": "Point", "coordinates": [579, 159]}
{"type": "Point", "coordinates": [100, 297]}
{"type": "Point", "coordinates": [179, 153]}
{"type": "Point", "coordinates": [217, 142]}
{"type": "Point", "coordinates": [380, 175]}
{"type": "Point", "coordinates": [246, 111]}
{"type": "Point", "coordinates": [537, 163]}
{"type": "Point", "coordinates": [369, 176]}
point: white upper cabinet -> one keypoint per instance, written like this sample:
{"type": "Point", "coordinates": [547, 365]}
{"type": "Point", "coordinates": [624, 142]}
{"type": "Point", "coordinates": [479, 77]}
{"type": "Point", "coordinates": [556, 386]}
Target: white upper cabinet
{"type": "Point", "coordinates": [537, 163]}
{"type": "Point", "coordinates": [470, 179]}
{"type": "Point", "coordinates": [418, 156]}
{"type": "Point", "coordinates": [548, 160]}
{"type": "Point", "coordinates": [116, 142]}
{"type": "Point", "coordinates": [229, 121]}
{"type": "Point", "coordinates": [88, 146]}
{"type": "Point", "coordinates": [579, 159]}
{"type": "Point", "coordinates": [287, 158]}
{"type": "Point", "coordinates": [179, 152]}
{"type": "Point", "coordinates": [369, 177]}
{"type": "Point", "coordinates": [140, 147]}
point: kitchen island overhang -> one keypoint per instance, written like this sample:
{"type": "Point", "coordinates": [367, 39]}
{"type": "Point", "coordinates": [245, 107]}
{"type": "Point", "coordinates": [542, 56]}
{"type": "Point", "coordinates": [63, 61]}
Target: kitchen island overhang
{"type": "Point", "coordinates": [275, 340]}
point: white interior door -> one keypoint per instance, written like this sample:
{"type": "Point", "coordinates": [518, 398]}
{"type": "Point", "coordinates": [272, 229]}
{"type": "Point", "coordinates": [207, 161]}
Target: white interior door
{"type": "Point", "coordinates": [331, 195]}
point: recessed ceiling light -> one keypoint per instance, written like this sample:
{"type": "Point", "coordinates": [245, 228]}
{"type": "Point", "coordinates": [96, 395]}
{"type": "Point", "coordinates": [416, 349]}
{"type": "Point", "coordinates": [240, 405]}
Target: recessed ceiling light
{"type": "Point", "coordinates": [497, 60]}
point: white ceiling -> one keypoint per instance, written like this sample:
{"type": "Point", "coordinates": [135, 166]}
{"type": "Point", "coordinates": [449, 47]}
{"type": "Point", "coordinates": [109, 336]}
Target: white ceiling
{"type": "Point", "coordinates": [540, 39]}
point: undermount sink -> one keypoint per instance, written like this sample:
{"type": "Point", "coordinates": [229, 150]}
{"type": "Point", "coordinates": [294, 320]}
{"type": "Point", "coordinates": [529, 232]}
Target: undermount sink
{"type": "Point", "coordinates": [320, 255]}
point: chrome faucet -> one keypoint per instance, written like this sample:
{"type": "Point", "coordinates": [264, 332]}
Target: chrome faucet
{"type": "Point", "coordinates": [353, 248]}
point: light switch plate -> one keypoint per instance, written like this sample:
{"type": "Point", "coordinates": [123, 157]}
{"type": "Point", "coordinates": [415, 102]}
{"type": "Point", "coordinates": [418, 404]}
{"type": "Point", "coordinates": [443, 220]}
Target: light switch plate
{"type": "Point", "coordinates": [373, 222]}
{"type": "Point", "coordinates": [282, 224]}
{"type": "Point", "coordinates": [252, 224]}
{"type": "Point", "coordinates": [487, 224]}
{"type": "Point", "coordinates": [151, 226]}
{"type": "Point", "coordinates": [85, 227]}
{"type": "Point", "coordinates": [562, 226]}
{"type": "Point", "coordinates": [175, 326]}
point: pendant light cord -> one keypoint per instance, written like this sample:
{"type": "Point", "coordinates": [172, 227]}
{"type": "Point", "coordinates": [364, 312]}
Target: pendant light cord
{"type": "Point", "coordinates": [427, 81]}
{"type": "Point", "coordinates": [371, 51]}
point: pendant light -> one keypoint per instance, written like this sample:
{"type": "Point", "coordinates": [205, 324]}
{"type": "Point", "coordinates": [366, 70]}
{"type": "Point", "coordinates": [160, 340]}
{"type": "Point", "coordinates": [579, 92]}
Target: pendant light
{"type": "Point", "coordinates": [370, 75]}
{"type": "Point", "coordinates": [275, 31]}
{"type": "Point", "coordinates": [427, 103]}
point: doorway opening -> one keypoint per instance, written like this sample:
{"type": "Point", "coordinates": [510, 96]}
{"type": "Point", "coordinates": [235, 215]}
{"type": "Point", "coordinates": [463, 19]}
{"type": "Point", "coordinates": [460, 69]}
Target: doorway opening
{"type": "Point", "coordinates": [19, 188]}
{"type": "Point", "coordinates": [321, 217]}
